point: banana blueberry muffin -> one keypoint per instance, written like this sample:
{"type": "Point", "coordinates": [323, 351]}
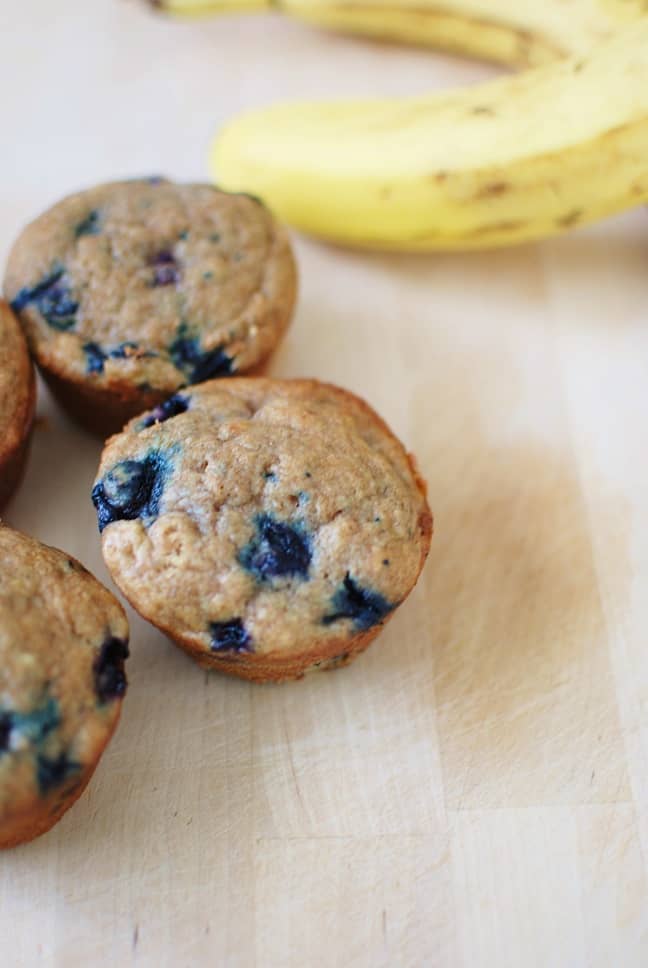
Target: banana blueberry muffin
{"type": "Point", "coordinates": [131, 290]}
{"type": "Point", "coordinates": [63, 642]}
{"type": "Point", "coordinates": [17, 402]}
{"type": "Point", "coordinates": [269, 527]}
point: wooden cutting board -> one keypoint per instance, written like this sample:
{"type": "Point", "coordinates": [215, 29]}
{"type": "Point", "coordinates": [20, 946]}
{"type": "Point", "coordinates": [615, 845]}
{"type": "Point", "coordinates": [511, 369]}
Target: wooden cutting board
{"type": "Point", "coordinates": [472, 792]}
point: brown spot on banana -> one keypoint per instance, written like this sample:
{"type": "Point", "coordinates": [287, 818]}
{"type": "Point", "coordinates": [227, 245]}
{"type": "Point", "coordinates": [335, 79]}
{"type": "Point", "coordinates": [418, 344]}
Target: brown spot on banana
{"type": "Point", "coordinates": [493, 189]}
{"type": "Point", "coordinates": [526, 42]}
{"type": "Point", "coordinates": [494, 228]}
{"type": "Point", "coordinates": [570, 219]}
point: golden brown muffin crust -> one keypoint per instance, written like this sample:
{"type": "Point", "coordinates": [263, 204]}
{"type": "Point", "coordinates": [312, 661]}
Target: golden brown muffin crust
{"type": "Point", "coordinates": [63, 640]}
{"type": "Point", "coordinates": [130, 290]}
{"type": "Point", "coordinates": [265, 525]}
{"type": "Point", "coordinates": [17, 401]}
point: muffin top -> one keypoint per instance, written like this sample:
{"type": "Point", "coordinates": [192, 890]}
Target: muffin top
{"type": "Point", "coordinates": [151, 284]}
{"type": "Point", "coordinates": [63, 641]}
{"type": "Point", "coordinates": [17, 389]}
{"type": "Point", "coordinates": [261, 516]}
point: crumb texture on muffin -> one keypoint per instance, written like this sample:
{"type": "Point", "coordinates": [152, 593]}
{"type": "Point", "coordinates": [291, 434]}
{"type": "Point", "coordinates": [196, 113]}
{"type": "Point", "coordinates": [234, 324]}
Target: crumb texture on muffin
{"type": "Point", "coordinates": [63, 643]}
{"type": "Point", "coordinates": [17, 401]}
{"type": "Point", "coordinates": [263, 522]}
{"type": "Point", "coordinates": [148, 285]}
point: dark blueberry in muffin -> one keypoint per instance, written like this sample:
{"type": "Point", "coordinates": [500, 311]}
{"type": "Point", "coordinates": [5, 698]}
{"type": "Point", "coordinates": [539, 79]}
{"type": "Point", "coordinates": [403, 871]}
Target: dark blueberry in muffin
{"type": "Point", "coordinates": [166, 271]}
{"type": "Point", "coordinates": [124, 350]}
{"type": "Point", "coordinates": [277, 550]}
{"type": "Point", "coordinates": [132, 489]}
{"type": "Point", "coordinates": [6, 725]}
{"type": "Point", "coordinates": [38, 724]}
{"type": "Point", "coordinates": [52, 771]}
{"type": "Point", "coordinates": [230, 636]}
{"type": "Point", "coordinates": [95, 357]}
{"type": "Point", "coordinates": [175, 405]}
{"type": "Point", "coordinates": [53, 300]}
{"type": "Point", "coordinates": [198, 364]}
{"type": "Point", "coordinates": [109, 675]}
{"type": "Point", "coordinates": [89, 226]}
{"type": "Point", "coordinates": [365, 608]}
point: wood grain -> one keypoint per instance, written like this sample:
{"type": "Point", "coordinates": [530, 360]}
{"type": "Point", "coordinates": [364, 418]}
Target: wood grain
{"type": "Point", "coordinates": [474, 791]}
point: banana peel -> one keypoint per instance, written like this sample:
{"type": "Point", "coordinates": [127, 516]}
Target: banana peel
{"type": "Point", "coordinates": [516, 159]}
{"type": "Point", "coordinates": [517, 33]}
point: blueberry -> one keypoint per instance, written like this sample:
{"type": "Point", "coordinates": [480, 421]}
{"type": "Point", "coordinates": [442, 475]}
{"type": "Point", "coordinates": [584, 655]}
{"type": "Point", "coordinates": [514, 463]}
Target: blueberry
{"type": "Point", "coordinates": [109, 675]}
{"type": "Point", "coordinates": [34, 727]}
{"type": "Point", "coordinates": [172, 407]}
{"type": "Point", "coordinates": [33, 294]}
{"type": "Point", "coordinates": [53, 300]}
{"type": "Point", "coordinates": [58, 307]}
{"type": "Point", "coordinates": [132, 489]}
{"type": "Point", "coordinates": [364, 607]}
{"type": "Point", "coordinates": [89, 225]}
{"type": "Point", "coordinates": [6, 725]}
{"type": "Point", "coordinates": [198, 364]}
{"type": "Point", "coordinates": [230, 636]}
{"type": "Point", "coordinates": [124, 350]}
{"type": "Point", "coordinates": [212, 363]}
{"type": "Point", "coordinates": [165, 268]}
{"type": "Point", "coordinates": [277, 550]}
{"type": "Point", "coordinates": [52, 771]}
{"type": "Point", "coordinates": [95, 357]}
{"type": "Point", "coordinates": [37, 725]}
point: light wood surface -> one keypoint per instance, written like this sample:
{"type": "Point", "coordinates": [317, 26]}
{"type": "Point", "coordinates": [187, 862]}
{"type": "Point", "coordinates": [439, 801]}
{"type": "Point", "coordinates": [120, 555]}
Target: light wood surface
{"type": "Point", "coordinates": [472, 792]}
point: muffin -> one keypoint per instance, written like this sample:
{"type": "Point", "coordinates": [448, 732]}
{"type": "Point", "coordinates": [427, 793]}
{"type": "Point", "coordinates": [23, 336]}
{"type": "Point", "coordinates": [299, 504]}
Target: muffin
{"type": "Point", "coordinates": [17, 403]}
{"type": "Point", "coordinates": [63, 642]}
{"type": "Point", "coordinates": [269, 527]}
{"type": "Point", "coordinates": [131, 290]}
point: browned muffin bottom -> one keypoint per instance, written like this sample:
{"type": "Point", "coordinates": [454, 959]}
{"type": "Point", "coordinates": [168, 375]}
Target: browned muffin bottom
{"type": "Point", "coordinates": [63, 642]}
{"type": "Point", "coordinates": [269, 527]}
{"type": "Point", "coordinates": [131, 290]}
{"type": "Point", "coordinates": [17, 403]}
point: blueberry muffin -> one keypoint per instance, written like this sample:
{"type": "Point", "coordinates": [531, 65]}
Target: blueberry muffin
{"type": "Point", "coordinates": [269, 527]}
{"type": "Point", "coordinates": [17, 403]}
{"type": "Point", "coordinates": [131, 290]}
{"type": "Point", "coordinates": [63, 641]}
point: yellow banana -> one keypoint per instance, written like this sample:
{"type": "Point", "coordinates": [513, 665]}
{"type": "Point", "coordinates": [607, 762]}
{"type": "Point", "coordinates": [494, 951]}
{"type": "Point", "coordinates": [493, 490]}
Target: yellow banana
{"type": "Point", "coordinates": [517, 158]}
{"type": "Point", "coordinates": [519, 33]}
